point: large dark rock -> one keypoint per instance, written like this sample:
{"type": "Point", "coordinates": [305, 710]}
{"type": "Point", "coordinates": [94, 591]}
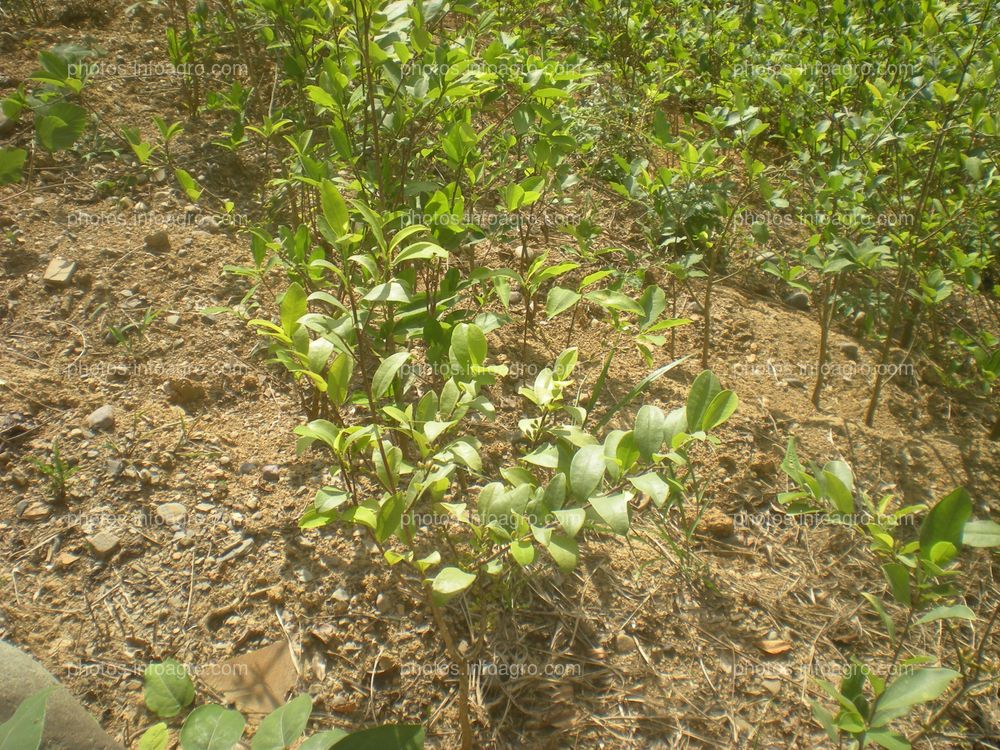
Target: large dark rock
{"type": "Point", "coordinates": [68, 725]}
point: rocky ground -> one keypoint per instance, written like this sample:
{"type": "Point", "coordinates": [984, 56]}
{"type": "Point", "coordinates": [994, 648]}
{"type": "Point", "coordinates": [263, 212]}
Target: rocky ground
{"type": "Point", "coordinates": [178, 538]}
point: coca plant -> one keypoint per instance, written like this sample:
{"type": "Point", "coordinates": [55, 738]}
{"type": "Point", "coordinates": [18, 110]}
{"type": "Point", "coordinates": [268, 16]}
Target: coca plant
{"type": "Point", "coordinates": [924, 590]}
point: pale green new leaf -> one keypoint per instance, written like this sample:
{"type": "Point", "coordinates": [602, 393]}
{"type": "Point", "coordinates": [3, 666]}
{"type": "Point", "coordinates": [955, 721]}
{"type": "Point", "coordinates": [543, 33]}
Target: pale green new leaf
{"type": "Point", "coordinates": [450, 582]}
{"type": "Point", "coordinates": [167, 688]}
{"type": "Point", "coordinates": [911, 689]}
{"type": "Point", "coordinates": [23, 730]}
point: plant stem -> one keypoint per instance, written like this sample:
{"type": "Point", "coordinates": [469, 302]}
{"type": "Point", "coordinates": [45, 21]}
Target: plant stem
{"type": "Point", "coordinates": [463, 670]}
{"type": "Point", "coordinates": [825, 320]}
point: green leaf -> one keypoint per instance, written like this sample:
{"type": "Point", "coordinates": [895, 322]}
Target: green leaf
{"type": "Point", "coordinates": [468, 346]}
{"type": "Point", "coordinates": [320, 97]}
{"type": "Point", "coordinates": [188, 184]}
{"type": "Point", "coordinates": [386, 372]}
{"type": "Point", "coordinates": [293, 305]}
{"type": "Point", "coordinates": [212, 727]}
{"type": "Point", "coordinates": [450, 582]}
{"type": "Point", "coordinates": [586, 471]}
{"type": "Point", "coordinates": [157, 737]}
{"type": "Point", "coordinates": [564, 551]}
{"type": "Point", "coordinates": [23, 730]}
{"type": "Point", "coordinates": [12, 165]}
{"type": "Point", "coordinates": [983, 533]}
{"type": "Point", "coordinates": [888, 740]}
{"type": "Point", "coordinates": [910, 689]}
{"type": "Point", "coordinates": [791, 465]}
{"type": "Point", "coordinates": [613, 300]}
{"type": "Point", "coordinates": [652, 485]}
{"type": "Point", "coordinates": [953, 612]}
{"type": "Point", "coordinates": [60, 125]}
{"type": "Point", "coordinates": [334, 210]}
{"type": "Point", "coordinates": [899, 581]}
{"type": "Point", "coordinates": [703, 390]}
{"type": "Point", "coordinates": [825, 720]}
{"type": "Point", "coordinates": [571, 520]}
{"type": "Point", "coordinates": [420, 251]}
{"type": "Point", "coordinates": [167, 688]}
{"type": "Point", "coordinates": [523, 552]}
{"type": "Point", "coordinates": [559, 300]}
{"type": "Point", "coordinates": [719, 410]}
{"type": "Point", "coordinates": [613, 510]}
{"type": "Point", "coordinates": [324, 740]}
{"type": "Point", "coordinates": [636, 390]}
{"type": "Point", "coordinates": [890, 626]}
{"type": "Point", "coordinates": [391, 291]}
{"type": "Point", "coordinates": [284, 725]}
{"type": "Point", "coordinates": [841, 496]}
{"type": "Point", "coordinates": [945, 522]}
{"type": "Point", "coordinates": [389, 737]}
{"type": "Point", "coordinates": [648, 430]}
{"type": "Point", "coordinates": [565, 363]}
{"type": "Point", "coordinates": [338, 378]}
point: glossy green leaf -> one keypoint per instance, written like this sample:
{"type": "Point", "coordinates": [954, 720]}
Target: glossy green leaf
{"type": "Point", "coordinates": [389, 737]}
{"type": "Point", "coordinates": [614, 511]}
{"type": "Point", "coordinates": [559, 300]}
{"type": "Point", "coordinates": [945, 522]}
{"type": "Point", "coordinates": [719, 410]}
{"type": "Point", "coordinates": [704, 389]}
{"type": "Point", "coordinates": [284, 725]}
{"type": "Point", "coordinates": [212, 727]}
{"type": "Point", "coordinates": [648, 431]}
{"type": "Point", "coordinates": [586, 471]}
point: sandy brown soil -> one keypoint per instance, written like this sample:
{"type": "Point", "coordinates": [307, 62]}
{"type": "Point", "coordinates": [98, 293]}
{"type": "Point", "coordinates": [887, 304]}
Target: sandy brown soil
{"type": "Point", "coordinates": [640, 647]}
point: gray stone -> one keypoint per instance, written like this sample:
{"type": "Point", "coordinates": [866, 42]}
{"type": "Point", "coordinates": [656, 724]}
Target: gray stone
{"type": "Point", "coordinates": [797, 300]}
{"type": "Point", "coordinates": [104, 543]}
{"type": "Point", "coordinates": [158, 242]}
{"type": "Point", "coordinates": [271, 472]}
{"type": "Point", "coordinates": [247, 467]}
{"type": "Point", "coordinates": [171, 514]}
{"type": "Point", "coordinates": [68, 725]}
{"type": "Point", "coordinates": [850, 350]}
{"type": "Point", "coordinates": [209, 224]}
{"type": "Point", "coordinates": [102, 418]}
{"type": "Point", "coordinates": [59, 272]}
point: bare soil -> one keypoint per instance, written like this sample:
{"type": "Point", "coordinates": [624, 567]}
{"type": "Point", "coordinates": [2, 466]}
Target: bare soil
{"type": "Point", "coordinates": [640, 647]}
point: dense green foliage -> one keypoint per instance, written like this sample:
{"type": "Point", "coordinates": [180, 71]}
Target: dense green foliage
{"type": "Point", "coordinates": [845, 151]}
